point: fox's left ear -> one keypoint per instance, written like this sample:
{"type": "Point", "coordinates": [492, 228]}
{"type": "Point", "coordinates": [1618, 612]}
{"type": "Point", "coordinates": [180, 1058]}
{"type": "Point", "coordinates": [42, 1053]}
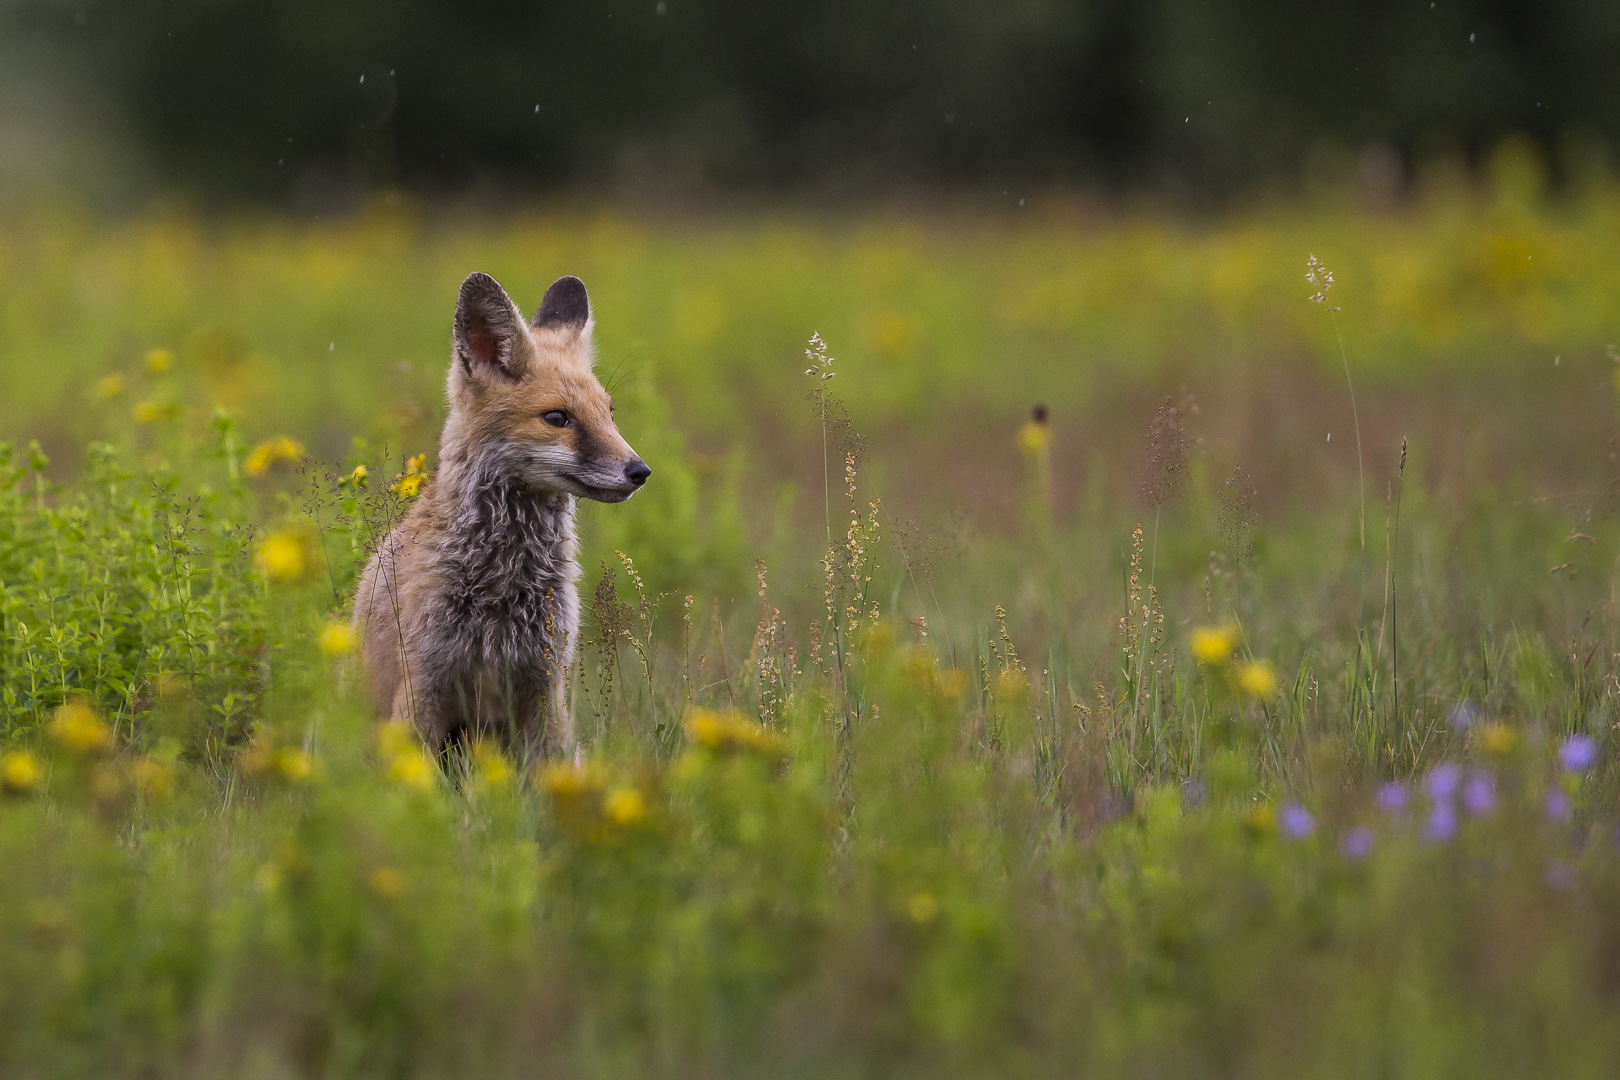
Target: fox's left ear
{"type": "Point", "coordinates": [565, 308]}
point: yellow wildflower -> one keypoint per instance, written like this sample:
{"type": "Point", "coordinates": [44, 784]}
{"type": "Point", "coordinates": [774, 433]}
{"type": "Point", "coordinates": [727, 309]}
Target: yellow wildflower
{"type": "Point", "coordinates": [19, 772]}
{"type": "Point", "coordinates": [148, 412]}
{"type": "Point", "coordinates": [725, 732]}
{"type": "Point", "coordinates": [295, 765]}
{"type": "Point", "coordinates": [492, 771]}
{"type": "Point", "coordinates": [267, 879]}
{"type": "Point", "coordinates": [159, 361]}
{"type": "Point", "coordinates": [80, 729]}
{"type": "Point", "coordinates": [269, 452]}
{"type": "Point", "coordinates": [110, 387]}
{"type": "Point", "coordinates": [357, 478]}
{"type": "Point", "coordinates": [1036, 435]}
{"type": "Point", "coordinates": [285, 556]}
{"type": "Point", "coordinates": [386, 882]}
{"type": "Point", "coordinates": [1260, 819]}
{"type": "Point", "coordinates": [338, 639]}
{"type": "Point", "coordinates": [1258, 678]}
{"type": "Point", "coordinates": [154, 779]}
{"type": "Point", "coordinates": [1212, 645]}
{"type": "Point", "coordinates": [922, 908]}
{"type": "Point", "coordinates": [396, 738]}
{"type": "Point", "coordinates": [954, 683]}
{"type": "Point", "coordinates": [259, 756]}
{"type": "Point", "coordinates": [570, 786]}
{"type": "Point", "coordinates": [414, 771]}
{"type": "Point", "coordinates": [625, 806]}
{"type": "Point", "coordinates": [1497, 739]}
{"type": "Point", "coordinates": [108, 784]}
{"type": "Point", "coordinates": [409, 485]}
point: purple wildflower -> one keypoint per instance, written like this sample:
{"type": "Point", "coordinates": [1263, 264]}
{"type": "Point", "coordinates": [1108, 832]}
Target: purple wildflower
{"type": "Point", "coordinates": [1357, 843]}
{"type": "Point", "coordinates": [1392, 797]}
{"type": "Point", "coordinates": [1296, 821]}
{"type": "Point", "coordinates": [1557, 805]}
{"type": "Point", "coordinates": [1561, 876]}
{"type": "Point", "coordinates": [1462, 715]}
{"type": "Point", "coordinates": [1479, 794]}
{"type": "Point", "coordinates": [1578, 753]}
{"type": "Point", "coordinates": [1441, 783]}
{"type": "Point", "coordinates": [1442, 825]}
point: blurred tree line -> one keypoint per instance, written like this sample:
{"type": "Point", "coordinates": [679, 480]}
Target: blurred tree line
{"type": "Point", "coordinates": [259, 99]}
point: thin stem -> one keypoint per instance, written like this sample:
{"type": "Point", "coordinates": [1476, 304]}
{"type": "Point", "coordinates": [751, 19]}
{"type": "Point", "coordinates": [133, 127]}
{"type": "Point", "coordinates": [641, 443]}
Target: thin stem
{"type": "Point", "coordinates": [1394, 579]}
{"type": "Point", "coordinates": [826, 475]}
{"type": "Point", "coordinates": [1361, 475]}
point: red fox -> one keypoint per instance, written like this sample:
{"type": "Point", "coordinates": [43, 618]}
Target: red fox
{"type": "Point", "coordinates": [468, 612]}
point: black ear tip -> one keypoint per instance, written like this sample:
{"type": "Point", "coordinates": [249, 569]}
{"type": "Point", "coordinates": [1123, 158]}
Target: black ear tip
{"type": "Point", "coordinates": [479, 285]}
{"type": "Point", "coordinates": [566, 304]}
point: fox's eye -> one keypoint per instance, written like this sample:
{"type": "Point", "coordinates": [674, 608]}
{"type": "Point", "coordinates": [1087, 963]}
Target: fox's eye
{"type": "Point", "coordinates": [556, 418]}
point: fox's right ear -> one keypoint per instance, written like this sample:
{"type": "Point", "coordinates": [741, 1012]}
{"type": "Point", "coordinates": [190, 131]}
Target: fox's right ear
{"type": "Point", "coordinates": [489, 336]}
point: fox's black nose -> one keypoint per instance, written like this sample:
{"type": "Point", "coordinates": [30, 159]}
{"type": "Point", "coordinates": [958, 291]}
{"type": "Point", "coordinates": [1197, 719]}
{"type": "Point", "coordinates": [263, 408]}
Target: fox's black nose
{"type": "Point", "coordinates": [637, 472]}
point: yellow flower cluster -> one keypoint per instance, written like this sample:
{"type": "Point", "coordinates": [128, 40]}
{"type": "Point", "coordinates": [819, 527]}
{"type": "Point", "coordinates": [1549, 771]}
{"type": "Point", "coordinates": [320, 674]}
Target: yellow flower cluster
{"type": "Point", "coordinates": [386, 882]}
{"type": "Point", "coordinates": [587, 806]}
{"type": "Point", "coordinates": [408, 762]}
{"type": "Point", "coordinates": [731, 732]}
{"type": "Point", "coordinates": [1497, 739]}
{"type": "Point", "coordinates": [1215, 647]}
{"type": "Point", "coordinates": [110, 386]}
{"type": "Point", "coordinates": [79, 729]}
{"type": "Point", "coordinates": [409, 485]}
{"type": "Point", "coordinates": [159, 361]}
{"type": "Point", "coordinates": [491, 769]}
{"type": "Point", "coordinates": [1034, 437]}
{"type": "Point", "coordinates": [87, 738]}
{"type": "Point", "coordinates": [338, 639]}
{"type": "Point", "coordinates": [20, 772]}
{"type": "Point", "coordinates": [266, 760]}
{"type": "Point", "coordinates": [285, 556]}
{"type": "Point", "coordinates": [150, 412]}
{"type": "Point", "coordinates": [268, 453]}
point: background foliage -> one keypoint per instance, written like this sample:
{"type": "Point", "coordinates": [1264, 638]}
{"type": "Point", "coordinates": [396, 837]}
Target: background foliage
{"type": "Point", "coordinates": [307, 103]}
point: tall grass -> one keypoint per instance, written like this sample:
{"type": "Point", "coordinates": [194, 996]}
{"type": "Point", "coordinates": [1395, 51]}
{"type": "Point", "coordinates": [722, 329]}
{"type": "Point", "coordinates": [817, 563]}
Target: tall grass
{"type": "Point", "coordinates": [1091, 809]}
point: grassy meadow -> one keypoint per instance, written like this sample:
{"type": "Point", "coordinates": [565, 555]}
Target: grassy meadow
{"type": "Point", "coordinates": [1217, 720]}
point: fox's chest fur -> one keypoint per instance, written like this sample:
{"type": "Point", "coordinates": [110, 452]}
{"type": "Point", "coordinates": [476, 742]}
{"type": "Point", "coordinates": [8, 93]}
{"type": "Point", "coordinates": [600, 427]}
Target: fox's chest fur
{"type": "Point", "coordinates": [498, 626]}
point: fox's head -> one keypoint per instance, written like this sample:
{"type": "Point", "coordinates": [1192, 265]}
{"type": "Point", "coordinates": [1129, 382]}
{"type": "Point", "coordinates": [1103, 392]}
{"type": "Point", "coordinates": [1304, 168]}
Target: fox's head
{"type": "Point", "coordinates": [524, 400]}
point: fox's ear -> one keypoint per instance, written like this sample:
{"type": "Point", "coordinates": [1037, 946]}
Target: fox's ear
{"type": "Point", "coordinates": [488, 332]}
{"type": "Point", "coordinates": [567, 306]}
